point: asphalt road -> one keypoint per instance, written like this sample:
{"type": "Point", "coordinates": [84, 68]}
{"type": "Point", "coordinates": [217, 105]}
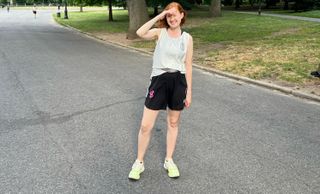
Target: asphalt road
{"type": "Point", "coordinates": [70, 109]}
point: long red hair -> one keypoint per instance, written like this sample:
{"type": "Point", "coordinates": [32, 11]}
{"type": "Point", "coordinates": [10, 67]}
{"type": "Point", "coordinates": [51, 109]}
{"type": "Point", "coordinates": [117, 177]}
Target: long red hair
{"type": "Point", "coordinates": [163, 23]}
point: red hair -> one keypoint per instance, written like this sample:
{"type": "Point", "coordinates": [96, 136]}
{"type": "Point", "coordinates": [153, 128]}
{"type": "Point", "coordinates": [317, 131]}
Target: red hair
{"type": "Point", "coordinates": [163, 23]}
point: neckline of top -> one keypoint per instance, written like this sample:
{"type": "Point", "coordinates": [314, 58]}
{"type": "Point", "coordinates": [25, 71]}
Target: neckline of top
{"type": "Point", "coordinates": [174, 37]}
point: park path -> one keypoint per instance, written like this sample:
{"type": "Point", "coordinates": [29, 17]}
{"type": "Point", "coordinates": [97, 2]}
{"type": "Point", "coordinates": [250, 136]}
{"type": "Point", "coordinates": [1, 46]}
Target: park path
{"type": "Point", "coordinates": [283, 16]}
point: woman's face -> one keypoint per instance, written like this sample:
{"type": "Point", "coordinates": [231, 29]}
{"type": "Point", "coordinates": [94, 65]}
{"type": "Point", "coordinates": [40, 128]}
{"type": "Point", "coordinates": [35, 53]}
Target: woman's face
{"type": "Point", "coordinates": [174, 18]}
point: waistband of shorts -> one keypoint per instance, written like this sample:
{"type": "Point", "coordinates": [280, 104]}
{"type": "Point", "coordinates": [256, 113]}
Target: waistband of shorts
{"type": "Point", "coordinates": [168, 70]}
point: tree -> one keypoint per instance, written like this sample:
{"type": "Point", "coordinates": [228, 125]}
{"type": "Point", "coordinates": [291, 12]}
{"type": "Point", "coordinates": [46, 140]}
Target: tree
{"type": "Point", "coordinates": [81, 6]}
{"type": "Point", "coordinates": [286, 5]}
{"type": "Point", "coordinates": [3, 2]}
{"type": "Point", "coordinates": [80, 3]}
{"type": "Point", "coordinates": [271, 3]}
{"type": "Point", "coordinates": [303, 5]}
{"type": "Point", "coordinates": [121, 3]}
{"type": "Point", "coordinates": [260, 4]}
{"type": "Point", "coordinates": [154, 4]}
{"type": "Point", "coordinates": [110, 10]}
{"type": "Point", "coordinates": [237, 4]}
{"type": "Point", "coordinates": [138, 15]}
{"type": "Point", "coordinates": [215, 8]}
{"type": "Point", "coordinates": [252, 2]}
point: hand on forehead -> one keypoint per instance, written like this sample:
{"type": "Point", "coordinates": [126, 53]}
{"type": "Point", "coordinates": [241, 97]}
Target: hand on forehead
{"type": "Point", "coordinates": [173, 11]}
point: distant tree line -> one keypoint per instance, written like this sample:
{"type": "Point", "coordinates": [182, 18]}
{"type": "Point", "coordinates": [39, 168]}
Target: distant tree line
{"type": "Point", "coordinates": [138, 14]}
{"type": "Point", "coordinates": [297, 5]}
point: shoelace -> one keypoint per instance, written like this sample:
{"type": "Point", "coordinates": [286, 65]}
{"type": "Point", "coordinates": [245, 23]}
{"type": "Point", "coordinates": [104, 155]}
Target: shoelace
{"type": "Point", "coordinates": [171, 166]}
{"type": "Point", "coordinates": [137, 167]}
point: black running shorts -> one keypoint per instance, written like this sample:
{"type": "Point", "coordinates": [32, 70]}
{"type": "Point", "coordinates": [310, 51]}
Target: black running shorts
{"type": "Point", "coordinates": [167, 90]}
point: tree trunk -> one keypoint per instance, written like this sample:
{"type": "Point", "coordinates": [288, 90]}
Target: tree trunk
{"type": "Point", "coordinates": [296, 5]}
{"type": "Point", "coordinates": [259, 11]}
{"type": "Point", "coordinates": [138, 15]}
{"type": "Point", "coordinates": [81, 6]}
{"type": "Point", "coordinates": [286, 5]}
{"type": "Point", "coordinates": [267, 4]}
{"type": "Point", "coordinates": [237, 4]}
{"type": "Point", "coordinates": [110, 10]}
{"type": "Point", "coordinates": [215, 8]}
{"type": "Point", "coordinates": [251, 3]}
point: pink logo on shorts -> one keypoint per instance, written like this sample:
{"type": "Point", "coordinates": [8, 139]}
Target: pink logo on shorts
{"type": "Point", "coordinates": [151, 94]}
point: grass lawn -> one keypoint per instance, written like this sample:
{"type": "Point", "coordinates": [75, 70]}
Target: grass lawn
{"type": "Point", "coordinates": [54, 8]}
{"type": "Point", "coordinates": [97, 21]}
{"type": "Point", "coordinates": [259, 47]}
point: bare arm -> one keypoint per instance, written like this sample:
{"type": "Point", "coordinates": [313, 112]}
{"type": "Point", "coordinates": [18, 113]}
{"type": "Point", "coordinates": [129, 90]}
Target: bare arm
{"type": "Point", "coordinates": [188, 63]}
{"type": "Point", "coordinates": [145, 30]}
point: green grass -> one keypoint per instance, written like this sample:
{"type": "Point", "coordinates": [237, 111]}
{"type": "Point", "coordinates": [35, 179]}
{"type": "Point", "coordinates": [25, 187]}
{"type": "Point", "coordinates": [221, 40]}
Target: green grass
{"type": "Point", "coordinates": [241, 27]}
{"type": "Point", "coordinates": [144, 44]}
{"type": "Point", "coordinates": [258, 47]}
{"type": "Point", "coordinates": [298, 41]}
{"type": "Point", "coordinates": [54, 8]}
{"type": "Point", "coordinates": [97, 21]}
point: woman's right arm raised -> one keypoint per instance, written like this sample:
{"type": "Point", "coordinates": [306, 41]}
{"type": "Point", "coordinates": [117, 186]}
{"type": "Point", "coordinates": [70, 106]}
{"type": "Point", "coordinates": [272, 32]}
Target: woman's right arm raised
{"type": "Point", "coordinates": [145, 30]}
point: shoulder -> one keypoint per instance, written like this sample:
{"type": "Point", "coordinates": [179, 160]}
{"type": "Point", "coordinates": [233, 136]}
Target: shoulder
{"type": "Point", "coordinates": [188, 38]}
{"type": "Point", "coordinates": [187, 35]}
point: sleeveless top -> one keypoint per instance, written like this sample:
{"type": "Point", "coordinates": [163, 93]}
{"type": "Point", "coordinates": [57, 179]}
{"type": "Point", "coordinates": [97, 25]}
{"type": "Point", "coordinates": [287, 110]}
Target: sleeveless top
{"type": "Point", "coordinates": [170, 53]}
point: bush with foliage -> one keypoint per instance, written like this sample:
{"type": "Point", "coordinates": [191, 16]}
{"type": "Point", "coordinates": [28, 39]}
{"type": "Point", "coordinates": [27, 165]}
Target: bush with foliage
{"type": "Point", "coordinates": [303, 5]}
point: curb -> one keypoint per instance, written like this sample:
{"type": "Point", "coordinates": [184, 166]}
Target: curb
{"type": "Point", "coordinates": [284, 90]}
{"type": "Point", "coordinates": [103, 40]}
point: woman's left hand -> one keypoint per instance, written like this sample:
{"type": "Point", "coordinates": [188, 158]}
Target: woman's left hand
{"type": "Point", "coordinates": [187, 101]}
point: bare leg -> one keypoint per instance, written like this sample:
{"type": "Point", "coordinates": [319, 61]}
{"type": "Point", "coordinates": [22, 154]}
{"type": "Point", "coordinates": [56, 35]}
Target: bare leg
{"type": "Point", "coordinates": [173, 118]}
{"type": "Point", "coordinates": [148, 119]}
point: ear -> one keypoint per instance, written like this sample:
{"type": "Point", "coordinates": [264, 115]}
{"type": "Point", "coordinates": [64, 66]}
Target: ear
{"type": "Point", "coordinates": [182, 15]}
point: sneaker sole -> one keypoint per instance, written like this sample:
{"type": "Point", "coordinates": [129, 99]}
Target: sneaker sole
{"type": "Point", "coordinates": [173, 177]}
{"type": "Point", "coordinates": [133, 179]}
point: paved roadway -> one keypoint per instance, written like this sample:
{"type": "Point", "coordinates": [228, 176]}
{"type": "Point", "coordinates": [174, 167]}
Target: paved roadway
{"type": "Point", "coordinates": [71, 107]}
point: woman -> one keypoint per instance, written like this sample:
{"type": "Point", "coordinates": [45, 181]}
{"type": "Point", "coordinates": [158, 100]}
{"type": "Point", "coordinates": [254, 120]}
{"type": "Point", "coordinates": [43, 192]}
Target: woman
{"type": "Point", "coordinates": [171, 82]}
{"type": "Point", "coordinates": [34, 10]}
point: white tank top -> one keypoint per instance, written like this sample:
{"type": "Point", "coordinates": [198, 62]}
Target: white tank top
{"type": "Point", "coordinates": [170, 53]}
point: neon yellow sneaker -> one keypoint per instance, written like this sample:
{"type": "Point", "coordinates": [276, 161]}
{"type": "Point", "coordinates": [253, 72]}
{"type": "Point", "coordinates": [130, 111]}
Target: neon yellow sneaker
{"type": "Point", "coordinates": [137, 169]}
{"type": "Point", "coordinates": [171, 167]}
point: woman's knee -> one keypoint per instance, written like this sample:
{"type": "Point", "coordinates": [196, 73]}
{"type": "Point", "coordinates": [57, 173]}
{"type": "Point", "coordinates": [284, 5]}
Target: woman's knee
{"type": "Point", "coordinates": [173, 123]}
{"type": "Point", "coordinates": [146, 128]}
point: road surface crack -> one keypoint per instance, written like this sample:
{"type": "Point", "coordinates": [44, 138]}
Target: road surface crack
{"type": "Point", "coordinates": [45, 118]}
